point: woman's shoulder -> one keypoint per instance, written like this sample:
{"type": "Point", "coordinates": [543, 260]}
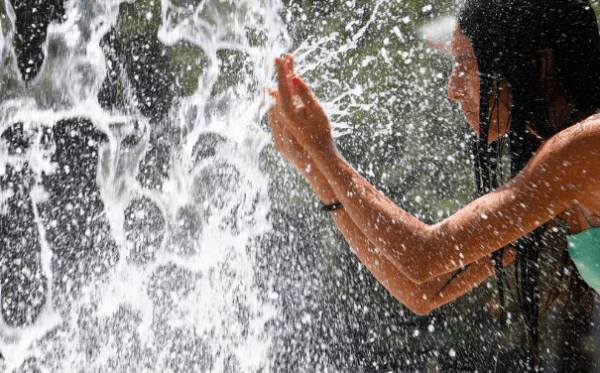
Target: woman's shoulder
{"type": "Point", "coordinates": [571, 157]}
{"type": "Point", "coordinates": [587, 127]}
{"type": "Point", "coordinates": [582, 137]}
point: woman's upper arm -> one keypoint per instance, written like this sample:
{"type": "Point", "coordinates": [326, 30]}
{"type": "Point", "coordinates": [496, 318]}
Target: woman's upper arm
{"type": "Point", "coordinates": [564, 169]}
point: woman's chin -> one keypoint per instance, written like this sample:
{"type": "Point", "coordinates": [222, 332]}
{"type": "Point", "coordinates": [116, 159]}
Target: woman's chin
{"type": "Point", "coordinates": [473, 120]}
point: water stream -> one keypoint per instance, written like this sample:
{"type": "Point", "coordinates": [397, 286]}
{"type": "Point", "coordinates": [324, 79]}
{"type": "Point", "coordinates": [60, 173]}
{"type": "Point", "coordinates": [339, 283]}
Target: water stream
{"type": "Point", "coordinates": [126, 228]}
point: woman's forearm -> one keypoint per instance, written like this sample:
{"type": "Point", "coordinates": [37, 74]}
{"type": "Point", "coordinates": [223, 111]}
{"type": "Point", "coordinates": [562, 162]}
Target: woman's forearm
{"type": "Point", "coordinates": [420, 251]}
{"type": "Point", "coordinates": [420, 298]}
{"type": "Point", "coordinates": [374, 214]}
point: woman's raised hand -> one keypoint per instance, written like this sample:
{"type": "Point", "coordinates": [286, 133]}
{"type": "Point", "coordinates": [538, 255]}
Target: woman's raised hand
{"type": "Point", "coordinates": [285, 142]}
{"type": "Point", "coordinates": [299, 111]}
{"type": "Point", "coordinates": [291, 149]}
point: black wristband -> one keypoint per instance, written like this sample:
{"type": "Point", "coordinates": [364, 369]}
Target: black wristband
{"type": "Point", "coordinates": [331, 207]}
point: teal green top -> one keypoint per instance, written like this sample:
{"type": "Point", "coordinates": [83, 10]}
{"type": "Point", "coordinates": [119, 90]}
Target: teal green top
{"type": "Point", "coordinates": [584, 249]}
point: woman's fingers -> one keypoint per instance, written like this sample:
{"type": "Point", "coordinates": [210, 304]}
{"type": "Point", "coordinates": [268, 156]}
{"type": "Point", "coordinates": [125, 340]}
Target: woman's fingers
{"type": "Point", "coordinates": [285, 94]}
{"type": "Point", "coordinates": [275, 115]}
{"type": "Point", "coordinates": [304, 91]}
{"type": "Point", "coordinates": [285, 73]}
{"type": "Point", "coordinates": [276, 128]}
{"type": "Point", "coordinates": [297, 107]}
{"type": "Point", "coordinates": [284, 140]}
{"type": "Point", "coordinates": [286, 116]}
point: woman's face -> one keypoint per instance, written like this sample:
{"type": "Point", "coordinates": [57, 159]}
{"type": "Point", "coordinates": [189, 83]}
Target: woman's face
{"type": "Point", "coordinates": [463, 87]}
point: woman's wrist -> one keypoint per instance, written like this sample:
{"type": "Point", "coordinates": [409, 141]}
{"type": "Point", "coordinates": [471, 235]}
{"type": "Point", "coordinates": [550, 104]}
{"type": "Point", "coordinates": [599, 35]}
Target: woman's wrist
{"type": "Point", "coordinates": [323, 153]}
{"type": "Point", "coordinates": [323, 190]}
{"type": "Point", "coordinates": [319, 184]}
{"type": "Point", "coordinates": [327, 160]}
{"type": "Point", "coordinates": [331, 206]}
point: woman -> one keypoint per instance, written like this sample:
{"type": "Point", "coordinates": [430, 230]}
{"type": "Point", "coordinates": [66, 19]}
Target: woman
{"type": "Point", "coordinates": [525, 72]}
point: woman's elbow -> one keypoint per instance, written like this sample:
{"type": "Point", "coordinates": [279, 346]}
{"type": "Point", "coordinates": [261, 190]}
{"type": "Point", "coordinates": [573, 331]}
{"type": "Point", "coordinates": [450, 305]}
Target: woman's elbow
{"type": "Point", "coordinates": [421, 308]}
{"type": "Point", "coordinates": [421, 262]}
{"type": "Point", "coordinates": [418, 273]}
{"type": "Point", "coordinates": [418, 302]}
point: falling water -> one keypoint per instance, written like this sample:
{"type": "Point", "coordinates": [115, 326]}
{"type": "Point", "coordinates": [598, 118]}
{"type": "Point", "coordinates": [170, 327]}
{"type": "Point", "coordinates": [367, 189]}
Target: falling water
{"type": "Point", "coordinates": [127, 232]}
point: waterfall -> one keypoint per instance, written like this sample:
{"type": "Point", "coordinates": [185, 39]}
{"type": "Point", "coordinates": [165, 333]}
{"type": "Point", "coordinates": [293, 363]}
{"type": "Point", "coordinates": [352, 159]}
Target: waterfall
{"type": "Point", "coordinates": [131, 193]}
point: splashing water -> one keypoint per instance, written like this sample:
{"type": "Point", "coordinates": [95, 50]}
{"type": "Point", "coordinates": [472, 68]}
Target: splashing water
{"type": "Point", "coordinates": [146, 226]}
{"type": "Point", "coordinates": [127, 231]}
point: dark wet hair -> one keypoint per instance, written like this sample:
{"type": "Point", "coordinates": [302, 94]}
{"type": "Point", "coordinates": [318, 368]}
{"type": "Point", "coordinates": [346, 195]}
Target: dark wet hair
{"type": "Point", "coordinates": [511, 39]}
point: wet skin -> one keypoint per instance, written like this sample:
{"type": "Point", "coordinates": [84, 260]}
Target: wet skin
{"type": "Point", "coordinates": [463, 86]}
{"type": "Point", "coordinates": [414, 260]}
